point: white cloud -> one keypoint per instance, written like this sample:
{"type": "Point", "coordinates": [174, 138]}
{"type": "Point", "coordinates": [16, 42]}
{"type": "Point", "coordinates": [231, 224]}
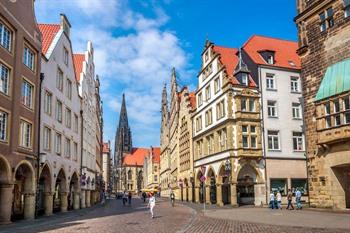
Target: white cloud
{"type": "Point", "coordinates": [138, 61]}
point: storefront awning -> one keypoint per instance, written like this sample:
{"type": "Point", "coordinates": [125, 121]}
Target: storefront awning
{"type": "Point", "coordinates": [335, 81]}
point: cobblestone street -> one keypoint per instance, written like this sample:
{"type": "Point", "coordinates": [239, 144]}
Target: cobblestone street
{"type": "Point", "coordinates": [114, 217]}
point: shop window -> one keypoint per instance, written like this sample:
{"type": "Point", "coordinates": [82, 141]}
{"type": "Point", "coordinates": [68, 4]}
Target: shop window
{"type": "Point", "coordinates": [279, 185]}
{"type": "Point", "coordinates": [300, 184]}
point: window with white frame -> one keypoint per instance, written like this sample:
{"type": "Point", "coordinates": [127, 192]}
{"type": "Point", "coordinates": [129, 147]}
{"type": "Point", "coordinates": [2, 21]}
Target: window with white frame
{"type": "Point", "coordinates": [58, 111]}
{"type": "Point", "coordinates": [5, 37]}
{"type": "Point", "coordinates": [253, 141]}
{"type": "Point", "coordinates": [296, 110]}
{"type": "Point", "coordinates": [245, 143]}
{"type": "Point", "coordinates": [199, 123]}
{"type": "Point", "coordinates": [251, 105]}
{"type": "Point", "coordinates": [270, 82]}
{"type": "Point", "coordinates": [25, 134]}
{"type": "Point", "coordinates": [243, 104]}
{"type": "Point", "coordinates": [200, 99]}
{"type": "Point", "coordinates": [336, 106]}
{"type": "Point", "coordinates": [76, 123]}
{"type": "Point", "coordinates": [208, 117]}
{"type": "Point", "coordinates": [75, 155]}
{"type": "Point", "coordinates": [48, 102]}
{"type": "Point", "coordinates": [294, 84]}
{"type": "Point", "coordinates": [217, 84]}
{"type": "Point", "coordinates": [207, 93]}
{"type": "Point", "coordinates": [347, 8]}
{"type": "Point", "coordinates": [326, 19]}
{"type": "Point", "coordinates": [3, 125]}
{"type": "Point", "coordinates": [245, 81]}
{"type": "Point", "coordinates": [67, 151]}
{"type": "Point", "coordinates": [298, 141]}
{"type": "Point", "coordinates": [346, 107]}
{"type": "Point", "coordinates": [4, 79]}
{"type": "Point", "coordinates": [47, 138]}
{"type": "Point", "coordinates": [270, 59]}
{"type": "Point", "coordinates": [59, 79]}
{"type": "Point", "coordinates": [220, 109]}
{"type": "Point", "coordinates": [272, 108]}
{"type": "Point", "coordinates": [58, 143]}
{"type": "Point", "coordinates": [65, 56]}
{"type": "Point", "coordinates": [273, 140]}
{"type": "Point", "coordinates": [222, 139]}
{"type": "Point", "coordinates": [69, 89]}
{"type": "Point", "coordinates": [68, 117]}
{"type": "Point", "coordinates": [28, 58]}
{"type": "Point", "coordinates": [27, 94]}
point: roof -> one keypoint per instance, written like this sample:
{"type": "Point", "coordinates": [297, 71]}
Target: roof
{"type": "Point", "coordinates": [106, 148]}
{"type": "Point", "coordinates": [156, 154]}
{"type": "Point", "coordinates": [285, 51]}
{"type": "Point", "coordinates": [48, 32]}
{"type": "Point", "coordinates": [335, 81]}
{"type": "Point", "coordinates": [136, 157]}
{"type": "Point", "coordinates": [229, 59]}
{"type": "Point", "coordinates": [192, 96]}
{"type": "Point", "coordinates": [78, 60]}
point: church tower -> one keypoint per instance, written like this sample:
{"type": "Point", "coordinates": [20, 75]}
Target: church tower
{"type": "Point", "coordinates": [123, 140]}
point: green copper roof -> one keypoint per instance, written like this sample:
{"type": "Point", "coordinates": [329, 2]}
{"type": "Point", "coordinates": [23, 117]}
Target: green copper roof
{"type": "Point", "coordinates": [335, 81]}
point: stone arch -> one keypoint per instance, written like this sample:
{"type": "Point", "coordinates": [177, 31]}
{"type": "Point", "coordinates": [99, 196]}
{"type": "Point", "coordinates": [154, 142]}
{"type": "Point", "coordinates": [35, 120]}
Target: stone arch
{"type": "Point", "coordinates": [74, 189]}
{"type": "Point", "coordinates": [223, 179]}
{"type": "Point", "coordinates": [45, 190]}
{"type": "Point", "coordinates": [200, 186]}
{"type": "Point", "coordinates": [24, 191]}
{"type": "Point", "coordinates": [5, 170]}
{"type": "Point", "coordinates": [60, 192]}
{"type": "Point", "coordinates": [247, 178]}
{"type": "Point", "coordinates": [211, 185]}
{"type": "Point", "coordinates": [186, 185]}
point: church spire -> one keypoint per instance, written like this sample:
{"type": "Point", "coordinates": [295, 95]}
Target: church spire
{"type": "Point", "coordinates": [123, 139]}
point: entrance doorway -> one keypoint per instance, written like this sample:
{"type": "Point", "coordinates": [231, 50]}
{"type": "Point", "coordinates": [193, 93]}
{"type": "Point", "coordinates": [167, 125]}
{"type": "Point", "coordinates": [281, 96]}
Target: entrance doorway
{"type": "Point", "coordinates": [226, 191]}
{"type": "Point", "coordinates": [245, 186]}
{"type": "Point", "coordinates": [343, 175]}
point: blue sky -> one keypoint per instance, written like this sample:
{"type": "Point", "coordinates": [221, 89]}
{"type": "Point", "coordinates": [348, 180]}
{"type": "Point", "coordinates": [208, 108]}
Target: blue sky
{"type": "Point", "coordinates": [138, 42]}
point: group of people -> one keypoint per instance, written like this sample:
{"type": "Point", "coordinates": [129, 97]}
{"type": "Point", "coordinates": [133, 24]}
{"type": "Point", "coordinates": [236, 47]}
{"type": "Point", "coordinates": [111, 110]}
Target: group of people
{"type": "Point", "coordinates": [127, 198]}
{"type": "Point", "coordinates": [276, 200]}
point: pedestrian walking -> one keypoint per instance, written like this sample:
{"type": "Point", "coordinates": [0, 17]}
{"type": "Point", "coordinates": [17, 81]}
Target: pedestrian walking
{"type": "Point", "coordinates": [103, 197]}
{"type": "Point", "coordinates": [298, 199]}
{"type": "Point", "coordinates": [290, 198]}
{"type": "Point", "coordinates": [125, 198]}
{"type": "Point", "coordinates": [172, 198]}
{"type": "Point", "coordinates": [272, 200]}
{"type": "Point", "coordinates": [144, 195]}
{"type": "Point", "coordinates": [151, 203]}
{"type": "Point", "coordinates": [279, 200]}
{"type": "Point", "coordinates": [129, 198]}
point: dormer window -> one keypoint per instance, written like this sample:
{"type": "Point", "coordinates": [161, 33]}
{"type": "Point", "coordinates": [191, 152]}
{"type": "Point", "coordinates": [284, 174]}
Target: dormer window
{"type": "Point", "coordinates": [268, 56]}
{"type": "Point", "coordinates": [244, 77]}
{"type": "Point", "coordinates": [270, 59]}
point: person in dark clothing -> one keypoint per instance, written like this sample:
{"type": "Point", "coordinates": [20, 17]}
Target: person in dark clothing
{"type": "Point", "coordinates": [129, 198]}
{"type": "Point", "coordinates": [290, 198]}
{"type": "Point", "coordinates": [144, 195]}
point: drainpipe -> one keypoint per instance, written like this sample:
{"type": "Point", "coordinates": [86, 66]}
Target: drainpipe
{"type": "Point", "coordinates": [42, 76]}
{"type": "Point", "coordinates": [81, 142]}
{"type": "Point", "coordinates": [263, 133]}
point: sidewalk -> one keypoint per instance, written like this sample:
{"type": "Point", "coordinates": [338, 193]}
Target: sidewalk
{"type": "Point", "coordinates": [297, 218]}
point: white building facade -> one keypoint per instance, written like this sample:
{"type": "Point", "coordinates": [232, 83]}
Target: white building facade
{"type": "Point", "coordinates": [60, 143]}
{"type": "Point", "coordinates": [85, 72]}
{"type": "Point", "coordinates": [276, 65]}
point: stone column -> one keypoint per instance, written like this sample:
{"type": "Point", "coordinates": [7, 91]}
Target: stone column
{"type": "Point", "coordinates": [88, 198]}
{"type": "Point", "coordinates": [190, 193]}
{"type": "Point", "coordinates": [29, 206]}
{"type": "Point", "coordinates": [76, 200]}
{"type": "Point", "coordinates": [234, 195]}
{"type": "Point", "coordinates": [83, 201]}
{"type": "Point", "coordinates": [260, 197]}
{"type": "Point", "coordinates": [219, 195]}
{"type": "Point", "coordinates": [48, 203]}
{"type": "Point", "coordinates": [5, 203]}
{"type": "Point", "coordinates": [64, 201]}
{"type": "Point", "coordinates": [196, 194]}
{"type": "Point", "coordinates": [207, 194]}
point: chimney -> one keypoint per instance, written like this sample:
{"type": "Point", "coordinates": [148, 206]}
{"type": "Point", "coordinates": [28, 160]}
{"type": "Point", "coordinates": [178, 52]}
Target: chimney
{"type": "Point", "coordinates": [65, 25]}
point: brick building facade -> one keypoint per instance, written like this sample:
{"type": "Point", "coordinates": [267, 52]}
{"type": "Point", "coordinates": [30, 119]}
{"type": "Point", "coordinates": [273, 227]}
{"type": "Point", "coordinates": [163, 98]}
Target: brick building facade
{"type": "Point", "coordinates": [324, 47]}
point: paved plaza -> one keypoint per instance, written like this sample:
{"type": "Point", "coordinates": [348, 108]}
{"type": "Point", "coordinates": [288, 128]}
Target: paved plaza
{"type": "Point", "coordinates": [186, 217]}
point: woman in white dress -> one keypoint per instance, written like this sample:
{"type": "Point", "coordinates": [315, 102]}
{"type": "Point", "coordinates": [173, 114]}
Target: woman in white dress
{"type": "Point", "coordinates": [151, 203]}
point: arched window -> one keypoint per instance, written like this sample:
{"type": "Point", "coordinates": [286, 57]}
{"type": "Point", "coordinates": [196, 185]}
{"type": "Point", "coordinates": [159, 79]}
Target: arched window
{"type": "Point", "coordinates": [129, 175]}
